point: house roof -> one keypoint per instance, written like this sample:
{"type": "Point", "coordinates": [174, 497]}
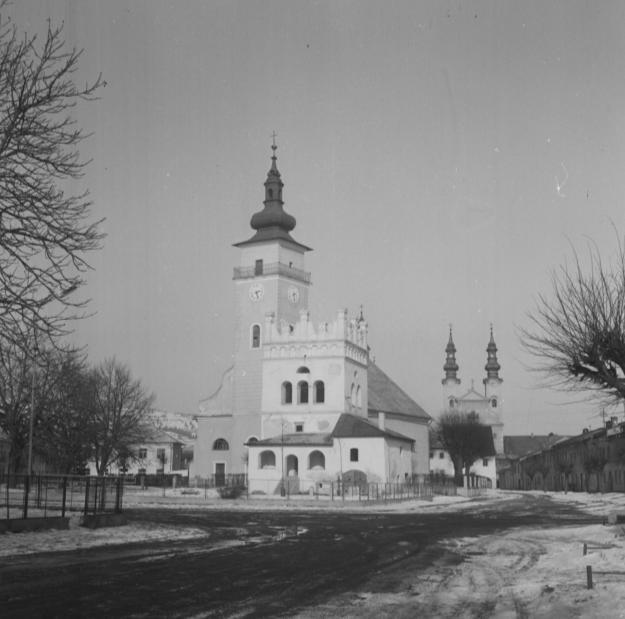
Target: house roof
{"type": "Point", "coordinates": [522, 445]}
{"type": "Point", "coordinates": [385, 396]}
{"type": "Point", "coordinates": [352, 426]}
{"type": "Point", "coordinates": [156, 435]}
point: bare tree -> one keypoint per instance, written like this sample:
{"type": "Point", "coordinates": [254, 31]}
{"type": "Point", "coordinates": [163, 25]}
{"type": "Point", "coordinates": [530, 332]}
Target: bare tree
{"type": "Point", "coordinates": [44, 221]}
{"type": "Point", "coordinates": [63, 430]}
{"type": "Point", "coordinates": [24, 379]}
{"type": "Point", "coordinates": [578, 333]}
{"type": "Point", "coordinates": [465, 438]}
{"type": "Point", "coordinates": [118, 409]}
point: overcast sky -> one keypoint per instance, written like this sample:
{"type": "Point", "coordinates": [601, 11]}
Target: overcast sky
{"type": "Point", "coordinates": [440, 158]}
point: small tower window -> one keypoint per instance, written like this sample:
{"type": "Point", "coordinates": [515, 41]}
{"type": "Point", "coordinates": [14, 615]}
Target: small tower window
{"type": "Point", "coordinates": [287, 392]}
{"type": "Point", "coordinates": [358, 397]}
{"type": "Point", "coordinates": [303, 370]}
{"type": "Point", "coordinates": [255, 336]}
{"type": "Point", "coordinates": [452, 402]}
{"type": "Point", "coordinates": [493, 402]}
{"type": "Point", "coordinates": [258, 267]}
{"type": "Point", "coordinates": [302, 392]}
{"type": "Point", "coordinates": [319, 392]}
{"type": "Point", "coordinates": [270, 193]}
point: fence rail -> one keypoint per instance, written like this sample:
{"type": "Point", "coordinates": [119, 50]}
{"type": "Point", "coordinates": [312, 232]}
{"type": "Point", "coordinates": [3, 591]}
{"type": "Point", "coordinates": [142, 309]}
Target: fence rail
{"type": "Point", "coordinates": [45, 496]}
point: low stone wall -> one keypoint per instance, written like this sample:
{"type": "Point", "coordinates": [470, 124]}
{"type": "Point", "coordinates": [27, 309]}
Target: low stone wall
{"type": "Point", "coordinates": [18, 525]}
{"type": "Point", "coordinates": [103, 520]}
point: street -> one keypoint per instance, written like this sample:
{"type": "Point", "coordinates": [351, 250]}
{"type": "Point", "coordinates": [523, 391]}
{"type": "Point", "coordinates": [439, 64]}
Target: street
{"type": "Point", "coordinates": [259, 563]}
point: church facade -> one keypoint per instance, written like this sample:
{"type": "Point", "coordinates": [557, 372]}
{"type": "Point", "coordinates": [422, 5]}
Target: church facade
{"type": "Point", "coordinates": [303, 403]}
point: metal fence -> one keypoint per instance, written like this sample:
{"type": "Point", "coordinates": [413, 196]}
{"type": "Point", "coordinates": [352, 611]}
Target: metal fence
{"type": "Point", "coordinates": [46, 496]}
{"type": "Point", "coordinates": [289, 488]}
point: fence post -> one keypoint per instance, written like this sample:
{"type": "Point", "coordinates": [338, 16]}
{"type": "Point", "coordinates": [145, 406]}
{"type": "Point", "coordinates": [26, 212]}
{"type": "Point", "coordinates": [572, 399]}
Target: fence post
{"type": "Point", "coordinates": [118, 494]}
{"type": "Point", "coordinates": [87, 484]}
{"type": "Point", "coordinates": [64, 497]}
{"type": "Point", "coordinates": [589, 576]}
{"type": "Point", "coordinates": [26, 493]}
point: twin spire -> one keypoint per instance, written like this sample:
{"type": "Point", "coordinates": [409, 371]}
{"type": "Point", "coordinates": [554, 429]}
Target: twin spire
{"type": "Point", "coordinates": [492, 366]}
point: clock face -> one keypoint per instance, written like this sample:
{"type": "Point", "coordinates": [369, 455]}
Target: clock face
{"type": "Point", "coordinates": [256, 292]}
{"type": "Point", "coordinates": [293, 294]}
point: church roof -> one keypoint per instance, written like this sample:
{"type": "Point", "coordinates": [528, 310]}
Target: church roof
{"type": "Point", "coordinates": [385, 396]}
{"type": "Point", "coordinates": [301, 439]}
{"type": "Point", "coordinates": [352, 426]}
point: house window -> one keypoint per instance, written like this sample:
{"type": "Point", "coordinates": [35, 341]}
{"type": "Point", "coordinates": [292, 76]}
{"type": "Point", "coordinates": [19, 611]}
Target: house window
{"type": "Point", "coordinates": [316, 461]}
{"type": "Point", "coordinates": [302, 392]}
{"type": "Point", "coordinates": [319, 392]}
{"type": "Point", "coordinates": [441, 455]}
{"type": "Point", "coordinates": [258, 267]}
{"type": "Point", "coordinates": [140, 471]}
{"type": "Point", "coordinates": [353, 454]}
{"type": "Point", "coordinates": [221, 444]}
{"type": "Point", "coordinates": [160, 454]}
{"type": "Point", "coordinates": [431, 455]}
{"type": "Point", "coordinates": [299, 427]}
{"type": "Point", "coordinates": [267, 460]}
{"type": "Point", "coordinates": [485, 462]}
{"type": "Point", "coordinates": [255, 336]}
{"type": "Point", "coordinates": [143, 453]}
{"type": "Point", "coordinates": [287, 392]}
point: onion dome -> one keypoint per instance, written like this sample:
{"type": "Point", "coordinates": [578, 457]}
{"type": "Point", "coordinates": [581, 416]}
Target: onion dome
{"type": "Point", "coordinates": [272, 222]}
{"type": "Point", "coordinates": [492, 366]}
{"type": "Point", "coordinates": [450, 367]}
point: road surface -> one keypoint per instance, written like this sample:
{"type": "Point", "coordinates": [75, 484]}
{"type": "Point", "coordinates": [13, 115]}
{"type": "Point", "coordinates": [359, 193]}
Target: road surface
{"type": "Point", "coordinates": [271, 564]}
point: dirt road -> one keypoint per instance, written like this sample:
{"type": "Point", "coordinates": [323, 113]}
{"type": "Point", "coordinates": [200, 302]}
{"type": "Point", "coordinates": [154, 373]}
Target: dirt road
{"type": "Point", "coordinates": [315, 564]}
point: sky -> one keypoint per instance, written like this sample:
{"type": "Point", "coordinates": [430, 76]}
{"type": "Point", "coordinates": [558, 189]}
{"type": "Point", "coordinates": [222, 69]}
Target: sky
{"type": "Point", "coordinates": [442, 158]}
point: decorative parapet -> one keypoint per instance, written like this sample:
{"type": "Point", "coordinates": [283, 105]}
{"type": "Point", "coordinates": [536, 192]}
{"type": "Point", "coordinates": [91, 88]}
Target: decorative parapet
{"type": "Point", "coordinates": [342, 337]}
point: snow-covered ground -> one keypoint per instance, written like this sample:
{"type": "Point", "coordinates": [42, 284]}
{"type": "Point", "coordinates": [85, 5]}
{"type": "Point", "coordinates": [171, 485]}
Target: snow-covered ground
{"type": "Point", "coordinates": [523, 572]}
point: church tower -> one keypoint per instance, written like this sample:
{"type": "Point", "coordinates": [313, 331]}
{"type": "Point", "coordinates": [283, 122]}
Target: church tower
{"type": "Point", "coordinates": [270, 280]}
{"type": "Point", "coordinates": [451, 382]}
{"type": "Point", "coordinates": [492, 390]}
{"type": "Point", "coordinates": [270, 283]}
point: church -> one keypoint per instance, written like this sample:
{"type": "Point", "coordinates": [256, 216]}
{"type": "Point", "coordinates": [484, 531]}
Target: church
{"type": "Point", "coordinates": [303, 404]}
{"type": "Point", "coordinates": [486, 405]}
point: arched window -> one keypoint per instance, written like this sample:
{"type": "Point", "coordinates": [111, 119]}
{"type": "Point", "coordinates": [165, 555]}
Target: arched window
{"type": "Point", "coordinates": [493, 402]}
{"type": "Point", "coordinates": [319, 392]}
{"type": "Point", "coordinates": [452, 402]}
{"type": "Point", "coordinates": [352, 395]}
{"type": "Point", "coordinates": [302, 392]}
{"type": "Point", "coordinates": [287, 392]}
{"type": "Point", "coordinates": [303, 370]}
{"type": "Point", "coordinates": [316, 461]}
{"type": "Point", "coordinates": [358, 397]}
{"type": "Point", "coordinates": [221, 444]}
{"type": "Point", "coordinates": [267, 460]}
{"type": "Point", "coordinates": [252, 440]}
{"type": "Point", "coordinates": [255, 336]}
